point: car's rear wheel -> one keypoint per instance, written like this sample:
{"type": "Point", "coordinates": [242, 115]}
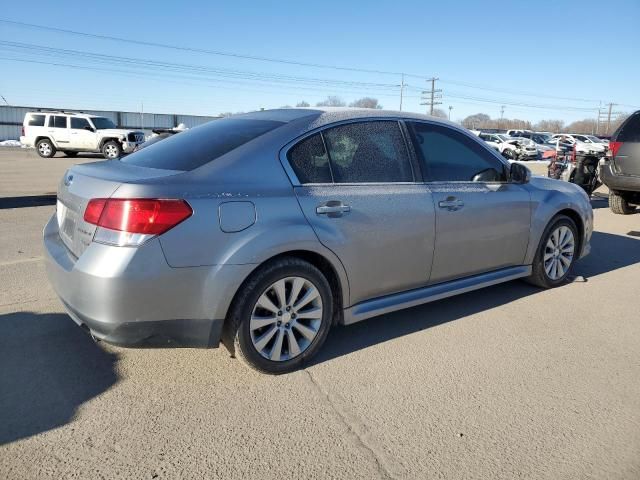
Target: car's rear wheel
{"type": "Point", "coordinates": [69, 153]}
{"type": "Point", "coordinates": [111, 150]}
{"type": "Point", "coordinates": [282, 316]}
{"type": "Point", "coordinates": [556, 253]}
{"type": "Point", "coordinates": [45, 148]}
{"type": "Point", "coordinates": [620, 205]}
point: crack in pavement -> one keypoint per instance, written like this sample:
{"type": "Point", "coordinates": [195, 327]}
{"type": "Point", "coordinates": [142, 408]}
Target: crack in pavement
{"type": "Point", "coordinates": [356, 428]}
{"type": "Point", "coordinates": [22, 260]}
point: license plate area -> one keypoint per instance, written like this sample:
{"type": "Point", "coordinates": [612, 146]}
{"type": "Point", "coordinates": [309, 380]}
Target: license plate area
{"type": "Point", "coordinates": [66, 224]}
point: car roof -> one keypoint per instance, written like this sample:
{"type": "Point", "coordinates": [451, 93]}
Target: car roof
{"type": "Point", "coordinates": [316, 117]}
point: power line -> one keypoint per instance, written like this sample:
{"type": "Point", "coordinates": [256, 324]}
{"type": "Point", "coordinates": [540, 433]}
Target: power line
{"type": "Point", "coordinates": [197, 50]}
{"type": "Point", "coordinates": [279, 60]}
{"type": "Point", "coordinates": [517, 92]}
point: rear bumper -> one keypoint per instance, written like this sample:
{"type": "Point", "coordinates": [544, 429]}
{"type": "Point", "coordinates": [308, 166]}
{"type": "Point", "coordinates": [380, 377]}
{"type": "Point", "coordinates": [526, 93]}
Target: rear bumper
{"type": "Point", "coordinates": [613, 181]}
{"type": "Point", "coordinates": [132, 297]}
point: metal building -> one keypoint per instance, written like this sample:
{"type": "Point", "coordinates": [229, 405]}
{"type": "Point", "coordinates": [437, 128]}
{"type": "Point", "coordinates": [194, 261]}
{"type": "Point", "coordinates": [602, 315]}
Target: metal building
{"type": "Point", "coordinates": [11, 119]}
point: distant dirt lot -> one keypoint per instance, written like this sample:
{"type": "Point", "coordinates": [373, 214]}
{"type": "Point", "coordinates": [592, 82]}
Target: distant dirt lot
{"type": "Point", "coordinates": [502, 383]}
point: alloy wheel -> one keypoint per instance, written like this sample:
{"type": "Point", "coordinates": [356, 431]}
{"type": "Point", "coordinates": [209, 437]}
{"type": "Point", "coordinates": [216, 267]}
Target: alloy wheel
{"type": "Point", "coordinates": [558, 252]}
{"type": "Point", "coordinates": [286, 319]}
{"type": "Point", "coordinates": [111, 151]}
{"type": "Point", "coordinates": [45, 149]}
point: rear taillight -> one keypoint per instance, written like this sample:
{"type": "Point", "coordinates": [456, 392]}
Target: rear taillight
{"type": "Point", "coordinates": [614, 147]}
{"type": "Point", "coordinates": [128, 222]}
{"type": "Point", "coordinates": [22, 131]}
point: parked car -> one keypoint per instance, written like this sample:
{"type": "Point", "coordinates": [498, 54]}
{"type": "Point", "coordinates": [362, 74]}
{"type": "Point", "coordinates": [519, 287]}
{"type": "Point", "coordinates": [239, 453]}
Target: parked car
{"type": "Point", "coordinates": [513, 148]}
{"type": "Point", "coordinates": [547, 150]}
{"type": "Point", "coordinates": [72, 133]}
{"type": "Point", "coordinates": [580, 146]}
{"type": "Point", "coordinates": [620, 172]}
{"type": "Point", "coordinates": [266, 229]}
{"type": "Point", "coordinates": [593, 140]}
{"type": "Point", "coordinates": [517, 132]}
{"type": "Point", "coordinates": [160, 134]}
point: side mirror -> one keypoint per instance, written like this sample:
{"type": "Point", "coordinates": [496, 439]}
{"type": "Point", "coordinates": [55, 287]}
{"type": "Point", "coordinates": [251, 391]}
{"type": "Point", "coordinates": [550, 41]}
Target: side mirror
{"type": "Point", "coordinates": [519, 173]}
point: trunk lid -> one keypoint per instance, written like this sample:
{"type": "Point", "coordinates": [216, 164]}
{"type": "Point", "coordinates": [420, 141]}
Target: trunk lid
{"type": "Point", "coordinates": [80, 184]}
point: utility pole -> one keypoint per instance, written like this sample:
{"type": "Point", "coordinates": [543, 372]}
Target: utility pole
{"type": "Point", "coordinates": [609, 117]}
{"type": "Point", "coordinates": [141, 115]}
{"type": "Point", "coordinates": [450, 108]}
{"type": "Point", "coordinates": [502, 107]}
{"type": "Point", "coordinates": [401, 90]}
{"type": "Point", "coordinates": [431, 96]}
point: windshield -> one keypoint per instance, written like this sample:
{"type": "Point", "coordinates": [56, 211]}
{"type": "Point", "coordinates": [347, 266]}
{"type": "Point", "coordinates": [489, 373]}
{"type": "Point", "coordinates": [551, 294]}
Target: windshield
{"type": "Point", "coordinates": [595, 139]}
{"type": "Point", "coordinates": [200, 145]}
{"type": "Point", "coordinates": [541, 138]}
{"type": "Point", "coordinates": [504, 138]}
{"type": "Point", "coordinates": [102, 123]}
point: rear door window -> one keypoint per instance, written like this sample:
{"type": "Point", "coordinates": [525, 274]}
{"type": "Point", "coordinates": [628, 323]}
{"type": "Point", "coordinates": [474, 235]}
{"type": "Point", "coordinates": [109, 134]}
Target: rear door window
{"type": "Point", "coordinates": [450, 156]}
{"type": "Point", "coordinates": [201, 145]}
{"type": "Point", "coordinates": [630, 130]}
{"type": "Point", "coordinates": [368, 152]}
{"type": "Point", "coordinates": [310, 161]}
{"type": "Point", "coordinates": [57, 121]}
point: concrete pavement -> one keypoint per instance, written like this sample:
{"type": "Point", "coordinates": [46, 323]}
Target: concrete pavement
{"type": "Point", "coordinates": [507, 382]}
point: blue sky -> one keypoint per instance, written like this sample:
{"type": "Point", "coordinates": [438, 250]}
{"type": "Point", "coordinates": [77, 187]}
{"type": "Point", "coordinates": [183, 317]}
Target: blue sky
{"type": "Point", "coordinates": [584, 52]}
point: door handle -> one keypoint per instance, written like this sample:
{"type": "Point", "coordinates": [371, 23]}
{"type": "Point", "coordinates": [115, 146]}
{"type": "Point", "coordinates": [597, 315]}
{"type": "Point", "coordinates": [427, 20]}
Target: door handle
{"type": "Point", "coordinates": [333, 208]}
{"type": "Point", "coordinates": [451, 203]}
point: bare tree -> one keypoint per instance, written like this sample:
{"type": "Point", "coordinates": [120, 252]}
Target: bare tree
{"type": "Point", "coordinates": [477, 120]}
{"type": "Point", "coordinates": [303, 104]}
{"type": "Point", "coordinates": [555, 126]}
{"type": "Point", "coordinates": [331, 101]}
{"type": "Point", "coordinates": [438, 112]}
{"type": "Point", "coordinates": [366, 102]}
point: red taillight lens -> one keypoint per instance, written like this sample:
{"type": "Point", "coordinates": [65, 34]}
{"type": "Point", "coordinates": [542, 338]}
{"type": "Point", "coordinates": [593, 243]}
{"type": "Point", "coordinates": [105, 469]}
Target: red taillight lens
{"type": "Point", "coordinates": [614, 147]}
{"type": "Point", "coordinates": [142, 215]}
{"type": "Point", "coordinates": [94, 210]}
{"type": "Point", "coordinates": [22, 131]}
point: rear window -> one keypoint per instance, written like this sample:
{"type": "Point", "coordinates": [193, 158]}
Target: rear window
{"type": "Point", "coordinates": [36, 121]}
{"type": "Point", "coordinates": [630, 130]}
{"type": "Point", "coordinates": [197, 146]}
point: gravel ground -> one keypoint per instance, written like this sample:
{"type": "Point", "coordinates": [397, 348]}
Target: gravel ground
{"type": "Point", "coordinates": [507, 382]}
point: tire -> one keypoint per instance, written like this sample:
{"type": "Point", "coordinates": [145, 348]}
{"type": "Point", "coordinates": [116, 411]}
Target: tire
{"type": "Point", "coordinates": [619, 205]}
{"type": "Point", "coordinates": [68, 153]}
{"type": "Point", "coordinates": [509, 154]}
{"type": "Point", "coordinates": [45, 148]}
{"type": "Point", "coordinates": [540, 276]}
{"type": "Point", "coordinates": [111, 150]}
{"type": "Point", "coordinates": [276, 354]}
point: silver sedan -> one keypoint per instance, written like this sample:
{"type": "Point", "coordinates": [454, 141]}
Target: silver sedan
{"type": "Point", "coordinates": [266, 229]}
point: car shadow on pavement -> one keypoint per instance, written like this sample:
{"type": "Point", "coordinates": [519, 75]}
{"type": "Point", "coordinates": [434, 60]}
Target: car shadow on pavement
{"type": "Point", "coordinates": [48, 368]}
{"type": "Point", "coordinates": [608, 252]}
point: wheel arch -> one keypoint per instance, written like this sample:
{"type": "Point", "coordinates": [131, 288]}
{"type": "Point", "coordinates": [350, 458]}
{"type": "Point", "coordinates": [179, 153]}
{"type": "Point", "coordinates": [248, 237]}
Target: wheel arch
{"type": "Point", "coordinates": [335, 275]}
{"type": "Point", "coordinates": [44, 137]}
{"type": "Point", "coordinates": [577, 219]}
{"type": "Point", "coordinates": [108, 139]}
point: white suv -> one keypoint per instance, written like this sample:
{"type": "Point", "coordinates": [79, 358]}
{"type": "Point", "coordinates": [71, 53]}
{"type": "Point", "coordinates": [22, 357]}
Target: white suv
{"type": "Point", "coordinates": [76, 132]}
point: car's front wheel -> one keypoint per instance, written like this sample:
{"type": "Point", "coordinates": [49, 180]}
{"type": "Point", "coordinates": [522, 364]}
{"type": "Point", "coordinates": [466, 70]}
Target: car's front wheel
{"type": "Point", "coordinates": [111, 150]}
{"type": "Point", "coordinates": [556, 253]}
{"type": "Point", "coordinates": [45, 148]}
{"type": "Point", "coordinates": [282, 316]}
